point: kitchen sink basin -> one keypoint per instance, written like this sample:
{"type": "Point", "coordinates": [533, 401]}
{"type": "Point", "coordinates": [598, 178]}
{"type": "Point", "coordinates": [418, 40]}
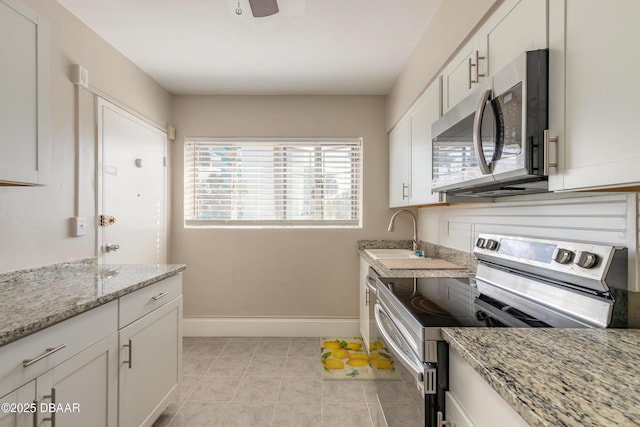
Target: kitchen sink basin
{"type": "Point", "coordinates": [391, 254]}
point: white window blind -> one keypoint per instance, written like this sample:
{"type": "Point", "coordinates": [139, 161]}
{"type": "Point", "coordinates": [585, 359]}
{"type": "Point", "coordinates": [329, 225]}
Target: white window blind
{"type": "Point", "coordinates": [273, 182]}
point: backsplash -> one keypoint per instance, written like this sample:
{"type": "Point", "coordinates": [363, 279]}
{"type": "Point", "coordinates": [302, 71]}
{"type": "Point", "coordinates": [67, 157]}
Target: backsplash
{"type": "Point", "coordinates": [610, 218]}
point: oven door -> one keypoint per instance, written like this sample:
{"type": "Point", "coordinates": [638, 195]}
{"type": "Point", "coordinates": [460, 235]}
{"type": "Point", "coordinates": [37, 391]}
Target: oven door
{"type": "Point", "coordinates": [411, 401]}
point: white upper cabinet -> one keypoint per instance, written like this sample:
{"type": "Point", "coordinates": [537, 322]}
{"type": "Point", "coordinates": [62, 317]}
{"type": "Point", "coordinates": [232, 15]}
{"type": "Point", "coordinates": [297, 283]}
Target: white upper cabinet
{"type": "Point", "coordinates": [424, 113]}
{"type": "Point", "coordinates": [410, 151]}
{"type": "Point", "coordinates": [593, 93]}
{"type": "Point", "coordinates": [515, 27]}
{"type": "Point", "coordinates": [399, 161]}
{"type": "Point", "coordinates": [24, 95]}
{"type": "Point", "coordinates": [463, 73]}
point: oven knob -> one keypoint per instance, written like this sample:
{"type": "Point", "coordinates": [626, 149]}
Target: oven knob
{"type": "Point", "coordinates": [480, 242]}
{"type": "Point", "coordinates": [491, 244]}
{"type": "Point", "coordinates": [586, 259]}
{"type": "Point", "coordinates": [563, 256]}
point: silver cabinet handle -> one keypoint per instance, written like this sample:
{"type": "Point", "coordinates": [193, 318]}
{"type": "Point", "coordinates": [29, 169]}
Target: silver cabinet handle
{"type": "Point", "coordinates": [404, 187]}
{"type": "Point", "coordinates": [477, 65]}
{"type": "Point", "coordinates": [485, 168]}
{"type": "Point", "coordinates": [547, 141]}
{"type": "Point", "coordinates": [130, 347]}
{"type": "Point", "coordinates": [52, 418]}
{"type": "Point", "coordinates": [48, 352]}
{"type": "Point", "coordinates": [162, 295]}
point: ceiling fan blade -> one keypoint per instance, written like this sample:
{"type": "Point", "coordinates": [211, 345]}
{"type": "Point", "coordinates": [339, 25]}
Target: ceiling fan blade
{"type": "Point", "coordinates": [261, 8]}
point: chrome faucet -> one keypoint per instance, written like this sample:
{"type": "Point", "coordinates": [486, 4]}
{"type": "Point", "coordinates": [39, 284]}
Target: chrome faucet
{"type": "Point", "coordinates": [392, 224]}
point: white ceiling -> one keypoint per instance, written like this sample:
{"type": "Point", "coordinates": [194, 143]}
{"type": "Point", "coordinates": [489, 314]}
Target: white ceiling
{"type": "Point", "coordinates": [310, 47]}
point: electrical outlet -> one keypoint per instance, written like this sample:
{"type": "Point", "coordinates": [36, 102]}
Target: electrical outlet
{"type": "Point", "coordinates": [79, 226]}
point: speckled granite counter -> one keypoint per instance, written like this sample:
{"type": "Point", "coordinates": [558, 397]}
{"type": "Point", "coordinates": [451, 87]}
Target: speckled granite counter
{"type": "Point", "coordinates": [558, 377]}
{"type": "Point", "coordinates": [463, 259]}
{"type": "Point", "coordinates": [33, 299]}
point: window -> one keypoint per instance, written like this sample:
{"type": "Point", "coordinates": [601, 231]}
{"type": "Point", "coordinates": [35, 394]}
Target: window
{"type": "Point", "coordinates": [269, 182]}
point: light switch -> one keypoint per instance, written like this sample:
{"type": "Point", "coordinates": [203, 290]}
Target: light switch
{"type": "Point", "coordinates": [79, 226]}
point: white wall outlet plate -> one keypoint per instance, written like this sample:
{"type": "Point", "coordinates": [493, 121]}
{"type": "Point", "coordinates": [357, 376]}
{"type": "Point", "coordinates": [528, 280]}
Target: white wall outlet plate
{"type": "Point", "coordinates": [79, 226]}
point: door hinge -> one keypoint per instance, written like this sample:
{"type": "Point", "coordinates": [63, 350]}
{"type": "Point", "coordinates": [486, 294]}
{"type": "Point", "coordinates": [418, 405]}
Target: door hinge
{"type": "Point", "coordinates": [106, 220]}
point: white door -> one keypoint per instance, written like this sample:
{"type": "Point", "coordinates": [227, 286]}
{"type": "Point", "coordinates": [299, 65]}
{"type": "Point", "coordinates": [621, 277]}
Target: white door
{"type": "Point", "coordinates": [131, 188]}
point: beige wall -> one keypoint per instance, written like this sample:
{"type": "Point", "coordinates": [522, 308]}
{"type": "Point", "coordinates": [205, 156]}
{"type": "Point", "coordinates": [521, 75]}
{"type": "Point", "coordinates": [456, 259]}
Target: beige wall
{"type": "Point", "coordinates": [279, 272]}
{"type": "Point", "coordinates": [452, 23]}
{"type": "Point", "coordinates": [34, 221]}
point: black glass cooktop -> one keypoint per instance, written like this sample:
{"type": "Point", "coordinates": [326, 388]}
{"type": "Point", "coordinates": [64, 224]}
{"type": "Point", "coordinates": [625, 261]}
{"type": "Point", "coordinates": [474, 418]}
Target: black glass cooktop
{"type": "Point", "coordinates": [435, 302]}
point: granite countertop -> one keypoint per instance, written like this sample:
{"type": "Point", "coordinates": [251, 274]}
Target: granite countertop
{"type": "Point", "coordinates": [454, 256]}
{"type": "Point", "coordinates": [33, 299]}
{"type": "Point", "coordinates": [558, 377]}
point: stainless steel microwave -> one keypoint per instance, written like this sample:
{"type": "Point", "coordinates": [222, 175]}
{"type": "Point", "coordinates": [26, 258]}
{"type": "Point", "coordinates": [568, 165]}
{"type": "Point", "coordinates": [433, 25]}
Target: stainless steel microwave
{"type": "Point", "coordinates": [493, 142]}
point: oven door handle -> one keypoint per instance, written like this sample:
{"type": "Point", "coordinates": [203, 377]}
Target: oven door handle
{"type": "Point", "coordinates": [415, 366]}
{"type": "Point", "coordinates": [485, 167]}
{"type": "Point", "coordinates": [371, 285]}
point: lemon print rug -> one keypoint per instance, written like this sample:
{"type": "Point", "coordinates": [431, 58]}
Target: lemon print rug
{"type": "Point", "coordinates": [347, 359]}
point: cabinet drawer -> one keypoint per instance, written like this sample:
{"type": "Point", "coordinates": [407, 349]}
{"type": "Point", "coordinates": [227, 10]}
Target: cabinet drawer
{"type": "Point", "coordinates": [75, 334]}
{"type": "Point", "coordinates": [136, 304]}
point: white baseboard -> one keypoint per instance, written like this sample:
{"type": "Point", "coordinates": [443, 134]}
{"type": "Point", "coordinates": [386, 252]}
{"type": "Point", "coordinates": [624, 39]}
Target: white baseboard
{"type": "Point", "coordinates": [268, 327]}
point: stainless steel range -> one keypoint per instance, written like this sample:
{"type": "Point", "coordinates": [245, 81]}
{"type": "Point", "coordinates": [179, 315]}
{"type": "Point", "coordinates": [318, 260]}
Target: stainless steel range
{"type": "Point", "coordinates": [520, 282]}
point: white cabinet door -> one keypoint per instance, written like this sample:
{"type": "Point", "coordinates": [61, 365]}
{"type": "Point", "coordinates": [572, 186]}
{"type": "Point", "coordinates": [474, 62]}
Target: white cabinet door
{"type": "Point", "coordinates": [399, 166]}
{"type": "Point", "coordinates": [515, 27]}
{"type": "Point", "coordinates": [364, 303]}
{"type": "Point", "coordinates": [84, 388]}
{"type": "Point", "coordinates": [456, 415]}
{"type": "Point", "coordinates": [150, 354]}
{"type": "Point", "coordinates": [24, 99]}
{"type": "Point", "coordinates": [594, 93]}
{"type": "Point", "coordinates": [424, 113]}
{"type": "Point", "coordinates": [480, 404]}
{"type": "Point", "coordinates": [461, 75]}
{"type": "Point", "coordinates": [25, 395]}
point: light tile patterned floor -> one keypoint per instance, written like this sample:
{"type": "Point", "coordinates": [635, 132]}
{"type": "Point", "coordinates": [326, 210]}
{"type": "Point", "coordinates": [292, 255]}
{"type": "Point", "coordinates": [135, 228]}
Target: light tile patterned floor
{"type": "Point", "coordinates": [255, 382]}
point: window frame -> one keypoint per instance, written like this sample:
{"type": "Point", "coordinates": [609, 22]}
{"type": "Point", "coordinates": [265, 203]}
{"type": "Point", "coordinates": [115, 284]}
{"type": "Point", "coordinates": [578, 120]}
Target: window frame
{"type": "Point", "coordinates": [278, 223]}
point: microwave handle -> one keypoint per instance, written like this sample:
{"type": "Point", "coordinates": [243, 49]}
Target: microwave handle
{"type": "Point", "coordinates": [485, 168]}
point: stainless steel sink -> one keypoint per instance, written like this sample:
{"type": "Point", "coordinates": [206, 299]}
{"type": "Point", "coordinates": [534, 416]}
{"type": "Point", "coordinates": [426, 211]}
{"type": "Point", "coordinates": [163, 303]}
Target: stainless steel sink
{"type": "Point", "coordinates": [391, 254]}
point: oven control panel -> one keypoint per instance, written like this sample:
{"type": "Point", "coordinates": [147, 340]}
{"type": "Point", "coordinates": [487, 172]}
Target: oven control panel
{"type": "Point", "coordinates": [587, 264]}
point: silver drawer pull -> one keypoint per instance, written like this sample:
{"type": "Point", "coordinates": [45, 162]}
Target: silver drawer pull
{"type": "Point", "coordinates": [130, 347]}
{"type": "Point", "coordinates": [48, 352]}
{"type": "Point", "coordinates": [162, 295]}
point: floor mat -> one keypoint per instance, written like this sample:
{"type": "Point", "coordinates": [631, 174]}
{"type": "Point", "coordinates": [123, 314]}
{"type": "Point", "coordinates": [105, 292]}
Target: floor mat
{"type": "Point", "coordinates": [347, 359]}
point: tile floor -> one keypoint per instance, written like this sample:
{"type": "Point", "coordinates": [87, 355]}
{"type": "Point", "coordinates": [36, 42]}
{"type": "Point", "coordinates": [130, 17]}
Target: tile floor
{"type": "Point", "coordinates": [255, 382]}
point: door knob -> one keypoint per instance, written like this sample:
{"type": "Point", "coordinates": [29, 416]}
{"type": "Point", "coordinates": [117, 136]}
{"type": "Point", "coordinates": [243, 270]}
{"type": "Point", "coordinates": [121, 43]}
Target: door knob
{"type": "Point", "coordinates": [110, 247]}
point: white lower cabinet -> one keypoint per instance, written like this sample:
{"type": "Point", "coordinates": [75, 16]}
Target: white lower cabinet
{"type": "Point", "coordinates": [471, 401]}
{"type": "Point", "coordinates": [85, 371]}
{"type": "Point", "coordinates": [25, 395]}
{"type": "Point", "coordinates": [150, 364]}
{"type": "Point", "coordinates": [83, 390]}
{"type": "Point", "coordinates": [456, 415]}
{"type": "Point", "coordinates": [364, 302]}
